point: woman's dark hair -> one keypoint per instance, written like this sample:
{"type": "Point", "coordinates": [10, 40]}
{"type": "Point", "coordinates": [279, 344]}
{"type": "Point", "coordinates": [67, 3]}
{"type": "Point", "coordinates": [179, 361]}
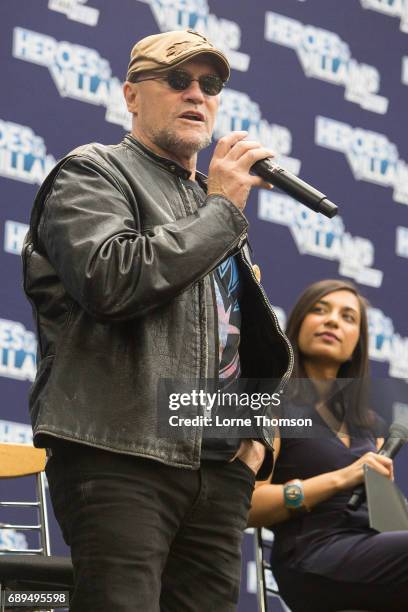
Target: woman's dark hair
{"type": "Point", "coordinates": [353, 405]}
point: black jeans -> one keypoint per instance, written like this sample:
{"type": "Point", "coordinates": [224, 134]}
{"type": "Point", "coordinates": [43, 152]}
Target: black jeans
{"type": "Point", "coordinates": [149, 537]}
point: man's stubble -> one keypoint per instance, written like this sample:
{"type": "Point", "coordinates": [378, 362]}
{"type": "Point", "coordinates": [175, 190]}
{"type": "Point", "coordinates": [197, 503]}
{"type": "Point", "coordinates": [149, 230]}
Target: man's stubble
{"type": "Point", "coordinates": [169, 140]}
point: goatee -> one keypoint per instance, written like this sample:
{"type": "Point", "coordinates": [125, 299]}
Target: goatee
{"type": "Point", "coordinates": [183, 147]}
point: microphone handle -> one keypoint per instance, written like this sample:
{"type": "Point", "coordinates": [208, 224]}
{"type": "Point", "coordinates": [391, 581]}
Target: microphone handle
{"type": "Point", "coordinates": [358, 497]}
{"type": "Point", "coordinates": [295, 187]}
{"type": "Point", "coordinates": [391, 447]}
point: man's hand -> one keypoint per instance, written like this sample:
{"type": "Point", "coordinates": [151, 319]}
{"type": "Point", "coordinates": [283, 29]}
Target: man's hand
{"type": "Point", "coordinates": [228, 174]}
{"type": "Point", "coordinates": [252, 453]}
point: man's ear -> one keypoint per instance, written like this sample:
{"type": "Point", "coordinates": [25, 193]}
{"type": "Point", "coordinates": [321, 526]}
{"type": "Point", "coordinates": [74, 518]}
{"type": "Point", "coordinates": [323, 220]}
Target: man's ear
{"type": "Point", "coordinates": [131, 93]}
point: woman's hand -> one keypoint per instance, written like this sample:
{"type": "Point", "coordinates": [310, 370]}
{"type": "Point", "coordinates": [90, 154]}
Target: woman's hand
{"type": "Point", "coordinates": [353, 474]}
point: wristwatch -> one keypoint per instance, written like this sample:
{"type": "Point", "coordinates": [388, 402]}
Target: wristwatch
{"type": "Point", "coordinates": [294, 497]}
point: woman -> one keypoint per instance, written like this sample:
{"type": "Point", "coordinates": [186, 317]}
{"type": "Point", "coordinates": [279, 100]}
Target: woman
{"type": "Point", "coordinates": [326, 557]}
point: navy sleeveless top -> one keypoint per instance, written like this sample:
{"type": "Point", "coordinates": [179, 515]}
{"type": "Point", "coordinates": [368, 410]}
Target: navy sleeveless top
{"type": "Point", "coordinates": [305, 457]}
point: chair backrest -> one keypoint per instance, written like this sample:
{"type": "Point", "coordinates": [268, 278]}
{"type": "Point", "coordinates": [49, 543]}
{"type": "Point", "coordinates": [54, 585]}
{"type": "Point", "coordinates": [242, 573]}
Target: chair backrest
{"type": "Point", "coordinates": [18, 460]}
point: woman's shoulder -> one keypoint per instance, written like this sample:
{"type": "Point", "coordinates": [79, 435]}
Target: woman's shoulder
{"type": "Point", "coordinates": [376, 427]}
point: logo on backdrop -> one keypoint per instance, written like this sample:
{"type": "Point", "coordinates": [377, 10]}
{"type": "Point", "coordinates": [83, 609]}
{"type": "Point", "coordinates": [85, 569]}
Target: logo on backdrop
{"type": "Point", "coordinates": [23, 155]}
{"type": "Point", "coordinates": [10, 538]}
{"type": "Point", "coordinates": [323, 55]}
{"type": "Point", "coordinates": [78, 72]}
{"type": "Point", "coordinates": [14, 234]}
{"type": "Point", "coordinates": [15, 433]}
{"type": "Point", "coordinates": [404, 76]}
{"type": "Point", "coordinates": [195, 15]}
{"type": "Point", "coordinates": [401, 241]}
{"type": "Point", "coordinates": [238, 112]}
{"type": "Point", "coordinates": [18, 348]}
{"type": "Point", "coordinates": [393, 8]}
{"type": "Point", "coordinates": [326, 238]}
{"type": "Point", "coordinates": [386, 345]}
{"type": "Point", "coordinates": [75, 10]}
{"type": "Point", "coordinates": [371, 156]}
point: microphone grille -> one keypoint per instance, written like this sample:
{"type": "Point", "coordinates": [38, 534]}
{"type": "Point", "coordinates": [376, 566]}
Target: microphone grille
{"type": "Point", "coordinates": [398, 430]}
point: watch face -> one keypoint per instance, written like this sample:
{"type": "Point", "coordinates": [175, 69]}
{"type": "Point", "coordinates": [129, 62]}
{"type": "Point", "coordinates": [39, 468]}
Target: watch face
{"type": "Point", "coordinates": [293, 492]}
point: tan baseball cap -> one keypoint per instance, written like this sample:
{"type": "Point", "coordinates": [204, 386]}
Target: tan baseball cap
{"type": "Point", "coordinates": [162, 51]}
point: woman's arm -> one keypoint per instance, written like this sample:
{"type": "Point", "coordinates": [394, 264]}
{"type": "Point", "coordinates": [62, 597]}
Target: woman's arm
{"type": "Point", "coordinates": [268, 505]}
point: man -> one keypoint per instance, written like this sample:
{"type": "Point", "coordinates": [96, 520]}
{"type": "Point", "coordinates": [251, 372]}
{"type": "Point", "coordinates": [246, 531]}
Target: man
{"type": "Point", "coordinates": [124, 266]}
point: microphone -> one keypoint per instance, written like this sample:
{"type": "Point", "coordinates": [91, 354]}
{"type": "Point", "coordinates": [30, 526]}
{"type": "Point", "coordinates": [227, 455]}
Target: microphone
{"type": "Point", "coordinates": [398, 435]}
{"type": "Point", "coordinates": [294, 186]}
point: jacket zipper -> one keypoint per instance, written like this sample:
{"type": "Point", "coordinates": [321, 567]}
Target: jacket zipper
{"type": "Point", "coordinates": [287, 375]}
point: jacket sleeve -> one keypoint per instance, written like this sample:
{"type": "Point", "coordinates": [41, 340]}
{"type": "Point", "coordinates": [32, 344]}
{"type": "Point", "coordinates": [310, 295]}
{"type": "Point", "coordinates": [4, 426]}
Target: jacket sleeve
{"type": "Point", "coordinates": [113, 270]}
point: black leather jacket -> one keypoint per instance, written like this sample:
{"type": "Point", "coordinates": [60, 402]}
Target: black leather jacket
{"type": "Point", "coordinates": [117, 268]}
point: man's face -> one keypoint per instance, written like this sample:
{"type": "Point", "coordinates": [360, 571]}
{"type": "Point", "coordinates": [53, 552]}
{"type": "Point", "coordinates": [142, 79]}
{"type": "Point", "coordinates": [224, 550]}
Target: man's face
{"type": "Point", "coordinates": [179, 123]}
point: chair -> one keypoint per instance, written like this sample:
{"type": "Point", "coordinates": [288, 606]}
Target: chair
{"type": "Point", "coordinates": [266, 586]}
{"type": "Point", "coordinates": [30, 569]}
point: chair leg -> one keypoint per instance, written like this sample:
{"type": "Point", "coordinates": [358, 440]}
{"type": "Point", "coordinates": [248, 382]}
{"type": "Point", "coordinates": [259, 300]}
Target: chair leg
{"type": "Point", "coordinates": [262, 594]}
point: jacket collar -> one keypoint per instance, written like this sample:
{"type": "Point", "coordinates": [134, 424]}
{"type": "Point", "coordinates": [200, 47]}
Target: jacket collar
{"type": "Point", "coordinates": [169, 164]}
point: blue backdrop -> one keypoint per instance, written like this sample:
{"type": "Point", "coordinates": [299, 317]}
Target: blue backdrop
{"type": "Point", "coordinates": [324, 83]}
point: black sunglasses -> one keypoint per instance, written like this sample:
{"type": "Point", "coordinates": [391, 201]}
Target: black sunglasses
{"type": "Point", "coordinates": [210, 84]}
